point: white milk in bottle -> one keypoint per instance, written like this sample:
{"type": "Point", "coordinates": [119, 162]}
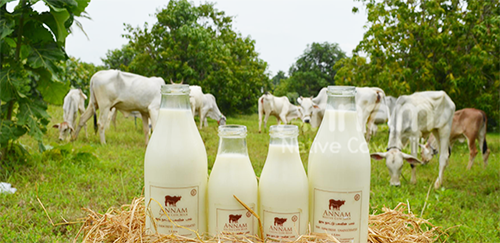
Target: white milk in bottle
{"type": "Point", "coordinates": [232, 174]}
{"type": "Point", "coordinates": [175, 168]}
{"type": "Point", "coordinates": [283, 187]}
{"type": "Point", "coordinates": [339, 171]}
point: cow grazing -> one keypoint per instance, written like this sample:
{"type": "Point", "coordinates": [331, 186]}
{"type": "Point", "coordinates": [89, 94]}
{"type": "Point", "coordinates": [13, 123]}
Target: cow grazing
{"type": "Point", "coordinates": [205, 105]}
{"type": "Point", "coordinates": [384, 112]}
{"type": "Point", "coordinates": [280, 107]}
{"type": "Point", "coordinates": [74, 102]}
{"type": "Point", "coordinates": [125, 92]}
{"type": "Point", "coordinates": [468, 123]}
{"type": "Point", "coordinates": [415, 116]}
{"type": "Point", "coordinates": [368, 102]}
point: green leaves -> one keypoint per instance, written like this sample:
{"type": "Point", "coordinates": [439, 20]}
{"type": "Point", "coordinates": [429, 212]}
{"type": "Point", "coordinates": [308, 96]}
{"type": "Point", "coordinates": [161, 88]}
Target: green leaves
{"type": "Point", "coordinates": [6, 27]}
{"type": "Point", "coordinates": [431, 45]}
{"type": "Point", "coordinates": [197, 44]}
{"type": "Point", "coordinates": [32, 46]}
{"type": "Point", "coordinates": [46, 56]}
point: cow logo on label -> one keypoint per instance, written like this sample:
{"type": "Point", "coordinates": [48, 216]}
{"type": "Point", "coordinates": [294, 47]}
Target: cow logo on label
{"type": "Point", "coordinates": [357, 197]}
{"type": "Point", "coordinates": [335, 204]}
{"type": "Point", "coordinates": [172, 200]}
{"type": "Point", "coordinates": [194, 192]}
{"type": "Point", "coordinates": [279, 221]}
{"type": "Point", "coordinates": [233, 218]}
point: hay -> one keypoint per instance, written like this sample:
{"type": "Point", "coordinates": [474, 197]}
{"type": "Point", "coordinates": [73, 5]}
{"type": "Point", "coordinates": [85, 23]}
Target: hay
{"type": "Point", "coordinates": [126, 225]}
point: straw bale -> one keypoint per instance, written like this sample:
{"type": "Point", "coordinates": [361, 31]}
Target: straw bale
{"type": "Point", "coordinates": [127, 225]}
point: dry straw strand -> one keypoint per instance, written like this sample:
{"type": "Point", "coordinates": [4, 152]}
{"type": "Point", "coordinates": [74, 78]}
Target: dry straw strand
{"type": "Point", "coordinates": [127, 225]}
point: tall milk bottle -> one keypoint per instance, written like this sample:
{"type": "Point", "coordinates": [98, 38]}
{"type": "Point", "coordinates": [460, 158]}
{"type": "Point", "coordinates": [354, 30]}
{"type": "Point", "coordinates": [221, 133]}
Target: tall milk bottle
{"type": "Point", "coordinates": [339, 171]}
{"type": "Point", "coordinates": [232, 174]}
{"type": "Point", "coordinates": [283, 187]}
{"type": "Point", "coordinates": [175, 168]}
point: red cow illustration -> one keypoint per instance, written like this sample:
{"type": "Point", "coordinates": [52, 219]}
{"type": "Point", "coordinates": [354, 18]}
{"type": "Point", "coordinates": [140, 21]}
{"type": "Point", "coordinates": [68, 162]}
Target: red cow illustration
{"type": "Point", "coordinates": [335, 204]}
{"type": "Point", "coordinates": [171, 200]}
{"type": "Point", "coordinates": [279, 221]}
{"type": "Point", "coordinates": [233, 218]}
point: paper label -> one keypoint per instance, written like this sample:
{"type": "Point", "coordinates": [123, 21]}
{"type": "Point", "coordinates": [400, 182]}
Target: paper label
{"type": "Point", "coordinates": [181, 204]}
{"type": "Point", "coordinates": [235, 221]}
{"type": "Point", "coordinates": [338, 213]}
{"type": "Point", "coordinates": [281, 225]}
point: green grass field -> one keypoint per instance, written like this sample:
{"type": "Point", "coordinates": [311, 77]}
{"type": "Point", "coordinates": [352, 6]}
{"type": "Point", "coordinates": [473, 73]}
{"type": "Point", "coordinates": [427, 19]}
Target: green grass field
{"type": "Point", "coordinates": [85, 174]}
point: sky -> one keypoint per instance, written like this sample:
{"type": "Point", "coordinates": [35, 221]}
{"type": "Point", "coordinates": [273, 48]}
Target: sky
{"type": "Point", "coordinates": [281, 29]}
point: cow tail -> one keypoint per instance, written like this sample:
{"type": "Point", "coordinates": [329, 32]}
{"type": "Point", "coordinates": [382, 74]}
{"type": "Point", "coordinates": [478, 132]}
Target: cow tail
{"type": "Point", "coordinates": [95, 122]}
{"type": "Point", "coordinates": [485, 121]}
{"type": "Point", "coordinates": [94, 104]}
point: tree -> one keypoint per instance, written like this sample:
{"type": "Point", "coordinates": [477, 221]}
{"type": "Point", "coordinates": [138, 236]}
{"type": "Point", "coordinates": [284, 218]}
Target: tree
{"type": "Point", "coordinates": [314, 69]}
{"type": "Point", "coordinates": [78, 73]}
{"type": "Point", "coordinates": [119, 59]}
{"type": "Point", "coordinates": [276, 80]}
{"type": "Point", "coordinates": [196, 44]}
{"type": "Point", "coordinates": [31, 46]}
{"type": "Point", "coordinates": [431, 45]}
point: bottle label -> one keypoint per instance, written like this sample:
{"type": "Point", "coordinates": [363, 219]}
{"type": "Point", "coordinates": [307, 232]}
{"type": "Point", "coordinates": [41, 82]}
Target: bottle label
{"type": "Point", "coordinates": [281, 225]}
{"type": "Point", "coordinates": [181, 204]}
{"type": "Point", "coordinates": [235, 221]}
{"type": "Point", "coordinates": [338, 213]}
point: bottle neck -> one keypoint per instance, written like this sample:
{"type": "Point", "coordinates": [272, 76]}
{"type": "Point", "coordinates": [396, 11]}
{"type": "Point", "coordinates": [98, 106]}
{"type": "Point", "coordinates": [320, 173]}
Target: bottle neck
{"type": "Point", "coordinates": [341, 102]}
{"type": "Point", "coordinates": [175, 101]}
{"type": "Point", "coordinates": [233, 145]}
{"type": "Point", "coordinates": [284, 141]}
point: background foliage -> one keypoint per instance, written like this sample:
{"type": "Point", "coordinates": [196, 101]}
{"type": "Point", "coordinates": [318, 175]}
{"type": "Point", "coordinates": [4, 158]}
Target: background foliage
{"type": "Point", "coordinates": [31, 47]}
{"type": "Point", "coordinates": [430, 45]}
{"type": "Point", "coordinates": [196, 45]}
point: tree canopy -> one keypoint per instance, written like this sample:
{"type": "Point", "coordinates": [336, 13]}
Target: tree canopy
{"type": "Point", "coordinates": [313, 70]}
{"type": "Point", "coordinates": [197, 45]}
{"type": "Point", "coordinates": [430, 45]}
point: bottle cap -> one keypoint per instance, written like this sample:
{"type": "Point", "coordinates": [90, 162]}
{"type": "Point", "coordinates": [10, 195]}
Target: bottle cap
{"type": "Point", "coordinates": [283, 131]}
{"type": "Point", "coordinates": [175, 89]}
{"type": "Point", "coordinates": [233, 131]}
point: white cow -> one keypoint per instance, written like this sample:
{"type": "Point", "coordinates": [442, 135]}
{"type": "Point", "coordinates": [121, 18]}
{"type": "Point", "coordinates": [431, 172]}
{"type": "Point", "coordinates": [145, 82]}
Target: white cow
{"type": "Point", "coordinates": [195, 98]}
{"type": "Point", "coordinates": [74, 102]}
{"type": "Point", "coordinates": [205, 105]}
{"type": "Point", "coordinates": [210, 109]}
{"type": "Point", "coordinates": [415, 116]}
{"type": "Point", "coordinates": [125, 92]}
{"type": "Point", "coordinates": [368, 101]}
{"type": "Point", "coordinates": [384, 113]}
{"type": "Point", "coordinates": [280, 107]}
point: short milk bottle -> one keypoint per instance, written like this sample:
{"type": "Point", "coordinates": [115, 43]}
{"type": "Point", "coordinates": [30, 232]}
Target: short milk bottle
{"type": "Point", "coordinates": [283, 187]}
{"type": "Point", "coordinates": [175, 168]}
{"type": "Point", "coordinates": [339, 171]}
{"type": "Point", "coordinates": [232, 174]}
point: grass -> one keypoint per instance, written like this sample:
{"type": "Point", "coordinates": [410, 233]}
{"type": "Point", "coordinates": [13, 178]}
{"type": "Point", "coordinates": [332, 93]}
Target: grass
{"type": "Point", "coordinates": [85, 174]}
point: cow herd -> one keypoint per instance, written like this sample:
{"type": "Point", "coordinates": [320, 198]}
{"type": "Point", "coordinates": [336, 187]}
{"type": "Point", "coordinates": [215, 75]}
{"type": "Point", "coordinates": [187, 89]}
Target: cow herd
{"type": "Point", "coordinates": [409, 117]}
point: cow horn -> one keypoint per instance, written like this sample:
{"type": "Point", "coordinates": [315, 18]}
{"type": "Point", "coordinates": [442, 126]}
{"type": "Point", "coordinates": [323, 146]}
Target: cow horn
{"type": "Point", "coordinates": [172, 82]}
{"type": "Point", "coordinates": [182, 81]}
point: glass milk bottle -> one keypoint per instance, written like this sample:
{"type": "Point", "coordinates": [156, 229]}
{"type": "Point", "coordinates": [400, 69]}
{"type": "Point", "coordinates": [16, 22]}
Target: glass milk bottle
{"type": "Point", "coordinates": [175, 168]}
{"type": "Point", "coordinates": [283, 187]}
{"type": "Point", "coordinates": [232, 174]}
{"type": "Point", "coordinates": [339, 171]}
